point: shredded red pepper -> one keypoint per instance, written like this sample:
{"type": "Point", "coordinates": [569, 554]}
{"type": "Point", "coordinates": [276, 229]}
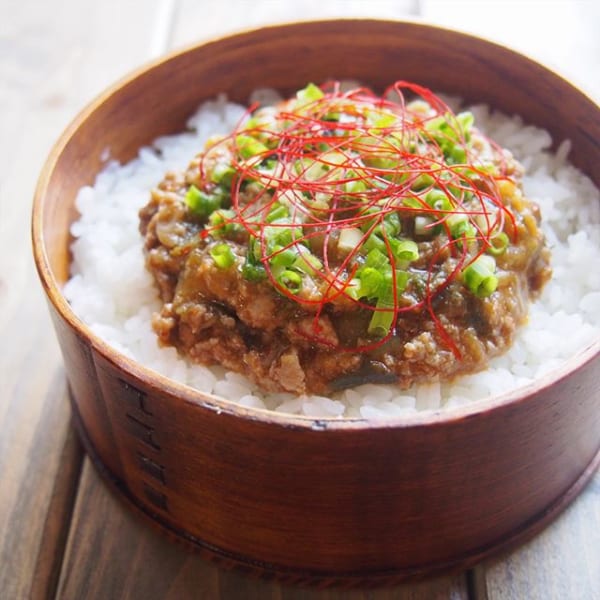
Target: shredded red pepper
{"type": "Point", "coordinates": [369, 172]}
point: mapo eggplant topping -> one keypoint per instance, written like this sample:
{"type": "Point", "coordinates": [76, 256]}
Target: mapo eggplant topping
{"type": "Point", "coordinates": [343, 237]}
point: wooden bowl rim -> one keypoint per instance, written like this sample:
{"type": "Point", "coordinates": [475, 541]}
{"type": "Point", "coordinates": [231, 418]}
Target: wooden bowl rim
{"type": "Point", "coordinates": [181, 392]}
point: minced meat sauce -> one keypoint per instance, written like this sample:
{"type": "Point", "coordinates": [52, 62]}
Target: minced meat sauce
{"type": "Point", "coordinates": [342, 237]}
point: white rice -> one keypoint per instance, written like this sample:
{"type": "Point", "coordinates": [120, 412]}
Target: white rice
{"type": "Point", "coordinates": [112, 292]}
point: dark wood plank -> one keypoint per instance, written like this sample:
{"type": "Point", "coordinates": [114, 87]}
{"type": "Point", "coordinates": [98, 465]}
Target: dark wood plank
{"type": "Point", "coordinates": [58, 517]}
{"type": "Point", "coordinates": [112, 553]}
{"type": "Point", "coordinates": [55, 57]}
{"type": "Point", "coordinates": [38, 481]}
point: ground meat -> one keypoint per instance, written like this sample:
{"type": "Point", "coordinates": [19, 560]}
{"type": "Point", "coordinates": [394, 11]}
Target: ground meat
{"type": "Point", "coordinates": [217, 315]}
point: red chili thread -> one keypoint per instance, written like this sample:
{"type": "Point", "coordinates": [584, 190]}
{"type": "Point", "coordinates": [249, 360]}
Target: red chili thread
{"type": "Point", "coordinates": [308, 135]}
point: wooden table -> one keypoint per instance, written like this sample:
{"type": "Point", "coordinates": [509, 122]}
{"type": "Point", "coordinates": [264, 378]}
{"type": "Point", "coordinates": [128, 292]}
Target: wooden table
{"type": "Point", "coordinates": [62, 533]}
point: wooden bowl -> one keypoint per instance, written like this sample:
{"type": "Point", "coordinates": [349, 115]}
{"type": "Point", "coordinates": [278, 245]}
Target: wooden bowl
{"type": "Point", "coordinates": [309, 500]}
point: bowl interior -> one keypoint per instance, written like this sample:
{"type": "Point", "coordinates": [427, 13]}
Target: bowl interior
{"type": "Point", "coordinates": [159, 98]}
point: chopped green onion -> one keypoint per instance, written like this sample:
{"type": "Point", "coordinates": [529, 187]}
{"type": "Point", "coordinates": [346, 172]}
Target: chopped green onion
{"type": "Point", "coordinates": [352, 290]}
{"type": "Point", "coordinates": [452, 126]}
{"type": "Point", "coordinates": [249, 146]}
{"type": "Point", "coordinates": [380, 119]}
{"type": "Point", "coordinates": [332, 116]}
{"type": "Point", "coordinates": [457, 155]}
{"type": "Point", "coordinates": [422, 182]}
{"type": "Point", "coordinates": [374, 242]}
{"type": "Point", "coordinates": [311, 93]}
{"type": "Point", "coordinates": [439, 200]}
{"type": "Point", "coordinates": [254, 250]}
{"type": "Point", "coordinates": [290, 280]}
{"type": "Point", "coordinates": [391, 224]}
{"type": "Point", "coordinates": [405, 250]}
{"type": "Point", "coordinates": [220, 217]}
{"type": "Point", "coordinates": [252, 269]}
{"type": "Point", "coordinates": [201, 203]}
{"type": "Point", "coordinates": [222, 174]}
{"type": "Point", "coordinates": [283, 257]}
{"type": "Point", "coordinates": [264, 118]}
{"type": "Point", "coordinates": [223, 255]}
{"type": "Point", "coordinates": [281, 232]}
{"type": "Point", "coordinates": [371, 281]}
{"type": "Point", "coordinates": [352, 185]}
{"type": "Point", "coordinates": [382, 319]}
{"type": "Point", "coordinates": [386, 291]}
{"type": "Point", "coordinates": [376, 259]}
{"type": "Point", "coordinates": [460, 225]}
{"type": "Point", "coordinates": [332, 159]}
{"type": "Point", "coordinates": [402, 278]}
{"type": "Point", "coordinates": [498, 243]}
{"type": "Point", "coordinates": [268, 165]}
{"type": "Point", "coordinates": [366, 223]}
{"type": "Point", "coordinates": [252, 272]}
{"type": "Point", "coordinates": [479, 276]}
{"type": "Point", "coordinates": [435, 124]}
{"type": "Point", "coordinates": [278, 211]}
{"type": "Point", "coordinates": [380, 159]}
{"type": "Point", "coordinates": [411, 202]}
{"type": "Point", "coordinates": [465, 120]}
{"type": "Point", "coordinates": [221, 222]}
{"type": "Point", "coordinates": [448, 132]}
{"type": "Point", "coordinates": [460, 191]}
{"type": "Point", "coordinates": [310, 169]}
{"type": "Point", "coordinates": [307, 263]}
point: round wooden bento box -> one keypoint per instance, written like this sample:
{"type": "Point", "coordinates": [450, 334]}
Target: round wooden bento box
{"type": "Point", "coordinates": [317, 500]}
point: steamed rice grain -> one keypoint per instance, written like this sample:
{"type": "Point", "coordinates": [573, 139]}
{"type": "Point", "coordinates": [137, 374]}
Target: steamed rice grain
{"type": "Point", "coordinates": [111, 291]}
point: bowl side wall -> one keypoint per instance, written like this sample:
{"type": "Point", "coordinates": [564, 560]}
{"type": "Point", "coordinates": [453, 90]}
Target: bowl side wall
{"type": "Point", "coordinates": [358, 503]}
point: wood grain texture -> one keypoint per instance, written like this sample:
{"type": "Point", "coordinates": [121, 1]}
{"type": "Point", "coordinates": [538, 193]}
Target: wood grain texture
{"type": "Point", "coordinates": [41, 458]}
{"type": "Point", "coordinates": [375, 518]}
{"type": "Point", "coordinates": [58, 517]}
{"type": "Point", "coordinates": [54, 56]}
{"type": "Point", "coordinates": [111, 554]}
{"type": "Point", "coordinates": [50, 65]}
{"type": "Point", "coordinates": [563, 562]}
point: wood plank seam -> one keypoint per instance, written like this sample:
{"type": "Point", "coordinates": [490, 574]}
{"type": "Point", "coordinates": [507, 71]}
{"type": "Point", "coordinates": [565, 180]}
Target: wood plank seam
{"type": "Point", "coordinates": [476, 583]}
{"type": "Point", "coordinates": [57, 524]}
{"type": "Point", "coordinates": [162, 39]}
